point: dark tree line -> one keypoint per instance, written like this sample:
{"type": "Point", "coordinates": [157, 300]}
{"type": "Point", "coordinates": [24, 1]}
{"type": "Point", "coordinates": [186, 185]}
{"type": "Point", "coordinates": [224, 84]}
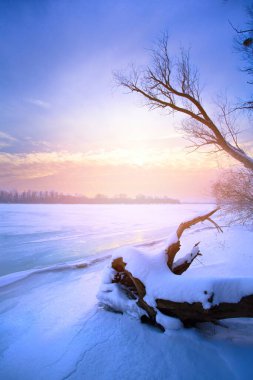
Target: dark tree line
{"type": "Point", "coordinates": [53, 197]}
{"type": "Point", "coordinates": [38, 197]}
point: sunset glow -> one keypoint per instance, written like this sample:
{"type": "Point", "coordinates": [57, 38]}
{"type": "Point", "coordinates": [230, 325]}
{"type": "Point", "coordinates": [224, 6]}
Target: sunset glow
{"type": "Point", "coordinates": [65, 126]}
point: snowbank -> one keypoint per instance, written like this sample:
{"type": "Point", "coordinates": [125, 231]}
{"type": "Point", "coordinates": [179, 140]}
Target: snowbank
{"type": "Point", "coordinates": [161, 283]}
{"type": "Point", "coordinates": [52, 328]}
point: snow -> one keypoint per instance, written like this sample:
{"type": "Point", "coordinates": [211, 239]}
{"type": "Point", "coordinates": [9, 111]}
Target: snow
{"type": "Point", "coordinates": [188, 258]}
{"type": "Point", "coordinates": [79, 264]}
{"type": "Point", "coordinates": [51, 326]}
{"type": "Point", "coordinates": [53, 329]}
{"type": "Point", "coordinates": [168, 323]}
{"type": "Point", "coordinates": [161, 283]}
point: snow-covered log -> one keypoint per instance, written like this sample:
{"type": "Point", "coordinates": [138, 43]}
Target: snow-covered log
{"type": "Point", "coordinates": [191, 313]}
{"type": "Point", "coordinates": [148, 286]}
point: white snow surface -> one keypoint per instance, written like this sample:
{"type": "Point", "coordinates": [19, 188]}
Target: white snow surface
{"type": "Point", "coordinates": [160, 282]}
{"type": "Point", "coordinates": [51, 326]}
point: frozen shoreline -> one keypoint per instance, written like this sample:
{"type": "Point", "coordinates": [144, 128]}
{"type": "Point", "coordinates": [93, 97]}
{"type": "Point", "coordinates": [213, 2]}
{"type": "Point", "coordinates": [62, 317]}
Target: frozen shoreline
{"type": "Point", "coordinates": [36, 236]}
{"type": "Point", "coordinates": [51, 326]}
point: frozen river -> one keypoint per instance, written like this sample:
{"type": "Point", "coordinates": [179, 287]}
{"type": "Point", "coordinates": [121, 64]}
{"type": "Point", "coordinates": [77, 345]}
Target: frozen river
{"type": "Point", "coordinates": [35, 236]}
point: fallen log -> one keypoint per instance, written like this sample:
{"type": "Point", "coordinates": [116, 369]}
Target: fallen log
{"type": "Point", "coordinates": [188, 313]}
{"type": "Point", "coordinates": [192, 313]}
{"type": "Point", "coordinates": [151, 285]}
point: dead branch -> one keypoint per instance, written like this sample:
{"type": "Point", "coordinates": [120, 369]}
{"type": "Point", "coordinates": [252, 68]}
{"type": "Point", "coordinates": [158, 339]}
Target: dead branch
{"type": "Point", "coordinates": [181, 265]}
{"type": "Point", "coordinates": [174, 248]}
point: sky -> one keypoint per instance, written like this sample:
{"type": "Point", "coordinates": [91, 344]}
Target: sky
{"type": "Point", "coordinates": [66, 126]}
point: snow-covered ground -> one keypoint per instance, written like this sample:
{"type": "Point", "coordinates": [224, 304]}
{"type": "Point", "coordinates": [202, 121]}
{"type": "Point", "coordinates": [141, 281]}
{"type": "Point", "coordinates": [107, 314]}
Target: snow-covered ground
{"type": "Point", "coordinates": [51, 326]}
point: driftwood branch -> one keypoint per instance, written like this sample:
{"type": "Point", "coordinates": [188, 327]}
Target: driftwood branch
{"type": "Point", "coordinates": [174, 248]}
{"type": "Point", "coordinates": [182, 265]}
{"type": "Point", "coordinates": [188, 313]}
{"type": "Point", "coordinates": [192, 222]}
{"type": "Point", "coordinates": [134, 289]}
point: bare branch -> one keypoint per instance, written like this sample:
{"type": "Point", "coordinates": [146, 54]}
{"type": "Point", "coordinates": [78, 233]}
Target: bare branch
{"type": "Point", "coordinates": [192, 222]}
{"type": "Point", "coordinates": [175, 87]}
{"type": "Point", "coordinates": [239, 30]}
{"type": "Point", "coordinates": [236, 200]}
{"type": "Point", "coordinates": [174, 248]}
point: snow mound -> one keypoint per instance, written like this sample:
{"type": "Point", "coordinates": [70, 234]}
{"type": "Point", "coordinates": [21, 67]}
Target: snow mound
{"type": "Point", "coordinates": [161, 283]}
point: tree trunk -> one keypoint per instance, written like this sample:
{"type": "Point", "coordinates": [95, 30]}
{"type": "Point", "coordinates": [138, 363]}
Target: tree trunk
{"type": "Point", "coordinates": [192, 313]}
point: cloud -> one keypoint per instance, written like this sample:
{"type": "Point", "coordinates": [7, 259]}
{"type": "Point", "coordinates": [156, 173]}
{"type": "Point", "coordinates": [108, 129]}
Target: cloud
{"type": "Point", "coordinates": [109, 172]}
{"type": "Point", "coordinates": [6, 140]}
{"type": "Point", "coordinates": [134, 167]}
{"type": "Point", "coordinates": [139, 168]}
{"type": "Point", "coordinates": [38, 102]}
{"type": "Point", "coordinates": [136, 156]}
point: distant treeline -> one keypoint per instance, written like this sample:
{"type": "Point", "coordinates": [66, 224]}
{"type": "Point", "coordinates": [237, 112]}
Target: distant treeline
{"type": "Point", "coordinates": [53, 197]}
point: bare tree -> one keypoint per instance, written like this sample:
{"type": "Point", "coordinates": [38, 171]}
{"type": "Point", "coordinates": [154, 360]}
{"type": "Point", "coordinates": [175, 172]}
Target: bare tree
{"type": "Point", "coordinates": [234, 188]}
{"type": "Point", "coordinates": [174, 86]}
{"type": "Point", "coordinates": [234, 191]}
{"type": "Point", "coordinates": [244, 45]}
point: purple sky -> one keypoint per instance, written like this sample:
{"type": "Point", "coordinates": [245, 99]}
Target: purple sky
{"type": "Point", "coordinates": [61, 115]}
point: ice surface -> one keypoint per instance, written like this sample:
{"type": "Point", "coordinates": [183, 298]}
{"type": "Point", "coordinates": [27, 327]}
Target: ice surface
{"type": "Point", "coordinates": [35, 236]}
{"type": "Point", "coordinates": [52, 328]}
